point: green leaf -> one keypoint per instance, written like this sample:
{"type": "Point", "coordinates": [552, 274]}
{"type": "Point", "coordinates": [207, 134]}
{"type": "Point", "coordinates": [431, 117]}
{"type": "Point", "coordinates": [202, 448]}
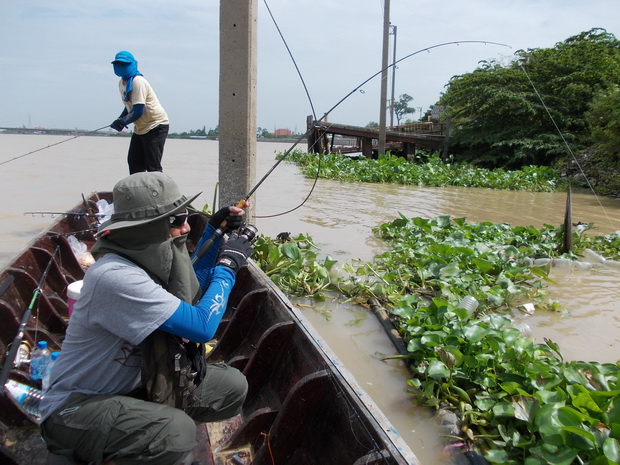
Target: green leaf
{"type": "Point", "coordinates": [547, 427]}
{"type": "Point", "coordinates": [291, 250]}
{"type": "Point", "coordinates": [433, 338]}
{"type": "Point", "coordinates": [451, 269]}
{"type": "Point", "coordinates": [503, 410]}
{"type": "Point", "coordinates": [496, 456]}
{"type": "Point", "coordinates": [437, 369]}
{"type": "Point", "coordinates": [475, 333]}
{"type": "Point", "coordinates": [580, 439]}
{"type": "Point", "coordinates": [483, 265]}
{"type": "Point", "coordinates": [611, 449]}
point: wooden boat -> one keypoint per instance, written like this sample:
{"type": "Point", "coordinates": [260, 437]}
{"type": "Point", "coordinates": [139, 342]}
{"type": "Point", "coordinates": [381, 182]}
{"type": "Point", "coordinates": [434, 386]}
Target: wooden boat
{"type": "Point", "coordinates": [303, 405]}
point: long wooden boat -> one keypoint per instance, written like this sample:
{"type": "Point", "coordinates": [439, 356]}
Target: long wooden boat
{"type": "Point", "coordinates": [303, 405]}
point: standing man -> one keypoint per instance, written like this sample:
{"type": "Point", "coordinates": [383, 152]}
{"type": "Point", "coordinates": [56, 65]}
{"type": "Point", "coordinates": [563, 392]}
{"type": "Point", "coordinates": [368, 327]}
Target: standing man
{"type": "Point", "coordinates": [143, 110]}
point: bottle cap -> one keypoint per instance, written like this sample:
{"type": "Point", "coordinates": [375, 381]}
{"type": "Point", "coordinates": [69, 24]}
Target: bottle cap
{"type": "Point", "coordinates": [42, 344]}
{"type": "Point", "coordinates": [55, 355]}
{"type": "Point", "coordinates": [74, 290]}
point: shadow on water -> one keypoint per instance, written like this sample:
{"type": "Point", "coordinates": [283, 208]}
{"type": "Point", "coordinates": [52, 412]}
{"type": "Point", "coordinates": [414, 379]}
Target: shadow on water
{"type": "Point", "coordinates": [340, 218]}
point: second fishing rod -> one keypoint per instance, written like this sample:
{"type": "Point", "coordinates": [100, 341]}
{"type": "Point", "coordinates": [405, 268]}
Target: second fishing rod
{"type": "Point", "coordinates": [242, 203]}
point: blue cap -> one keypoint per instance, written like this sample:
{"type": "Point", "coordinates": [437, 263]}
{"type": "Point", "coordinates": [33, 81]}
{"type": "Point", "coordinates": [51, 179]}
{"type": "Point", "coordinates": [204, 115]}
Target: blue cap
{"type": "Point", "coordinates": [124, 57]}
{"type": "Point", "coordinates": [42, 344]}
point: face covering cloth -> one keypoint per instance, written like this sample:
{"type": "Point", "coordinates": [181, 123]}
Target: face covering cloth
{"type": "Point", "coordinates": [126, 67]}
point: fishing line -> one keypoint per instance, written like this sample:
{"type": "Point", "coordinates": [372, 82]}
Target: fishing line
{"type": "Point", "coordinates": [222, 227]}
{"type": "Point", "coordinates": [303, 83]}
{"type": "Point", "coordinates": [355, 89]}
{"type": "Point", "coordinates": [316, 179]}
{"type": "Point", "coordinates": [52, 145]}
{"type": "Point", "coordinates": [570, 151]}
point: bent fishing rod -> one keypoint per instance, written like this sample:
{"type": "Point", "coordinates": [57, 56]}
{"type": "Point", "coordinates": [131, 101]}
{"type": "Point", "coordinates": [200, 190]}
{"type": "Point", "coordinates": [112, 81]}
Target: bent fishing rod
{"type": "Point", "coordinates": [222, 227]}
{"type": "Point", "coordinates": [52, 145]}
{"type": "Point", "coordinates": [8, 362]}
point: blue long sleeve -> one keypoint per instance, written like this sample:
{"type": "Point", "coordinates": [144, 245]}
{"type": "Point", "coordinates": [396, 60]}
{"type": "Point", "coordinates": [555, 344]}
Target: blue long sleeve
{"type": "Point", "coordinates": [198, 323]}
{"type": "Point", "coordinates": [137, 110]}
{"type": "Point", "coordinates": [204, 267]}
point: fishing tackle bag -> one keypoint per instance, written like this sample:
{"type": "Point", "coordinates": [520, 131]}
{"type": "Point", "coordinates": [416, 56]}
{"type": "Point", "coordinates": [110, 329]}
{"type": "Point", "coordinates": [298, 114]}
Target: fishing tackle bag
{"type": "Point", "coordinates": [172, 369]}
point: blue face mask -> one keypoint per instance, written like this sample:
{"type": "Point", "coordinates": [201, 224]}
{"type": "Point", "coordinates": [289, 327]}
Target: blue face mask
{"type": "Point", "coordinates": [126, 71]}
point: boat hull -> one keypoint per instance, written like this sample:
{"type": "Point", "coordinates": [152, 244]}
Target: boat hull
{"type": "Point", "coordinates": [303, 406]}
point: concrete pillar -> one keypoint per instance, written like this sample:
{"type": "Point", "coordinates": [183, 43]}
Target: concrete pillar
{"type": "Point", "coordinates": [367, 147]}
{"type": "Point", "coordinates": [384, 70]}
{"type": "Point", "coordinates": [237, 123]}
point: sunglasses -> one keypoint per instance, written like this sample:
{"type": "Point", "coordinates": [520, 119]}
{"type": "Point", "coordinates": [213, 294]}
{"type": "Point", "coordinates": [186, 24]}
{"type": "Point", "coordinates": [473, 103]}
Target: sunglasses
{"type": "Point", "coordinates": [178, 220]}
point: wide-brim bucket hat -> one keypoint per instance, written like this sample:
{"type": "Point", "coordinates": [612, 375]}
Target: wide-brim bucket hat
{"type": "Point", "coordinates": [143, 198]}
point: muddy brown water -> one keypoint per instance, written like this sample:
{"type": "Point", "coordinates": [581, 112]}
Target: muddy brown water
{"type": "Point", "coordinates": [340, 217]}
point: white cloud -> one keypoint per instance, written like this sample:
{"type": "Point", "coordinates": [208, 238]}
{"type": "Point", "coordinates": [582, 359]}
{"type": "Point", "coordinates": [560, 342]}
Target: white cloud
{"type": "Point", "coordinates": [56, 72]}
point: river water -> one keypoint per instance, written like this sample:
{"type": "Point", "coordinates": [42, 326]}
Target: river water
{"type": "Point", "coordinates": [339, 216]}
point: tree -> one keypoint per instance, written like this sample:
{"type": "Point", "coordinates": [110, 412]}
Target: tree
{"type": "Point", "coordinates": [402, 108]}
{"type": "Point", "coordinates": [263, 132]}
{"type": "Point", "coordinates": [214, 132]}
{"type": "Point", "coordinates": [604, 119]}
{"type": "Point", "coordinates": [526, 112]}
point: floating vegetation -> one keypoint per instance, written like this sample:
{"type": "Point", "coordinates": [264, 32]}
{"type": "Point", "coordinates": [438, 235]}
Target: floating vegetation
{"type": "Point", "coordinates": [518, 401]}
{"type": "Point", "coordinates": [430, 171]}
{"type": "Point", "coordinates": [294, 265]}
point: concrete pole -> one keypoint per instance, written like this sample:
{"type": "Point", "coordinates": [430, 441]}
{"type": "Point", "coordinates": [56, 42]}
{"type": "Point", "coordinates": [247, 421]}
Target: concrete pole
{"type": "Point", "coordinates": [237, 123]}
{"type": "Point", "coordinates": [393, 75]}
{"type": "Point", "coordinates": [384, 73]}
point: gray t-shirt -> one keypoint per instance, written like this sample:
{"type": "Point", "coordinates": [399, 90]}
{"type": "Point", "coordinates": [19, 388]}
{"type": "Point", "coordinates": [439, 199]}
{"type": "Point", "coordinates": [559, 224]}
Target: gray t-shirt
{"type": "Point", "coordinates": [119, 306]}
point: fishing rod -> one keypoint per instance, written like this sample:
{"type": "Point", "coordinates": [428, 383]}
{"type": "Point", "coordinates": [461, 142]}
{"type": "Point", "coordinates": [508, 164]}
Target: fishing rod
{"type": "Point", "coordinates": [52, 145]}
{"type": "Point", "coordinates": [8, 362]}
{"type": "Point", "coordinates": [221, 229]}
{"type": "Point", "coordinates": [427, 49]}
{"type": "Point", "coordinates": [76, 214]}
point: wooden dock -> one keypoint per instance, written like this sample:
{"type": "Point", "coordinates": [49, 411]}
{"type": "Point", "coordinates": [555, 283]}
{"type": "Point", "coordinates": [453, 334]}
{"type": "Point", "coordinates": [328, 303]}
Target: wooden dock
{"type": "Point", "coordinates": [327, 137]}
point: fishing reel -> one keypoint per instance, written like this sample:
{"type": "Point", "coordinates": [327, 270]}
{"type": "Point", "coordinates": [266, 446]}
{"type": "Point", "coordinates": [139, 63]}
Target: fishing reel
{"type": "Point", "coordinates": [249, 231]}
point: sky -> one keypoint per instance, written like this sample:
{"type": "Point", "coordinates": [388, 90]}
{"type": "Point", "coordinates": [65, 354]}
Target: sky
{"type": "Point", "coordinates": [55, 57]}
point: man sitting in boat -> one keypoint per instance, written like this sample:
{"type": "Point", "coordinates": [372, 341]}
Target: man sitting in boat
{"type": "Point", "coordinates": [142, 283]}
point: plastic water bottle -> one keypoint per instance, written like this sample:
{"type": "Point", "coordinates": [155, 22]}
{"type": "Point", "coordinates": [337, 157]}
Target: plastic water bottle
{"type": "Point", "coordinates": [26, 396]}
{"type": "Point", "coordinates": [48, 371]}
{"type": "Point", "coordinates": [39, 359]}
{"type": "Point", "coordinates": [469, 303]}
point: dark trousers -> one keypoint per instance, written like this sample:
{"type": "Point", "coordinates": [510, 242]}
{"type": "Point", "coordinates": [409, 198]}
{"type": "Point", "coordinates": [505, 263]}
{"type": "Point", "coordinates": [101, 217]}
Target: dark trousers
{"type": "Point", "coordinates": [147, 150]}
{"type": "Point", "coordinates": [129, 431]}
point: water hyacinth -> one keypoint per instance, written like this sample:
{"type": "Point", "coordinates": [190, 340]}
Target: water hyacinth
{"type": "Point", "coordinates": [429, 171]}
{"type": "Point", "coordinates": [518, 401]}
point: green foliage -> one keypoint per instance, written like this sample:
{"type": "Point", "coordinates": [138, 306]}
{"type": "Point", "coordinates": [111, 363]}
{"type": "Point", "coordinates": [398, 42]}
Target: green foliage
{"type": "Point", "coordinates": [263, 132]}
{"type": "Point", "coordinates": [497, 112]}
{"type": "Point", "coordinates": [432, 172]}
{"type": "Point", "coordinates": [401, 106]}
{"type": "Point", "coordinates": [518, 401]}
{"type": "Point", "coordinates": [294, 265]}
{"type": "Point", "coordinates": [211, 133]}
{"type": "Point", "coordinates": [604, 119]}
